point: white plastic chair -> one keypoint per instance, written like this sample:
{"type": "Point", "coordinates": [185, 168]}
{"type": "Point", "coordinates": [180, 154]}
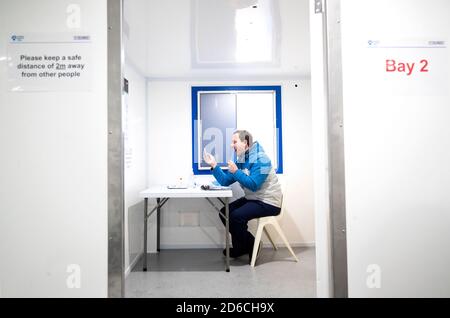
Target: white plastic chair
{"type": "Point", "coordinates": [261, 223]}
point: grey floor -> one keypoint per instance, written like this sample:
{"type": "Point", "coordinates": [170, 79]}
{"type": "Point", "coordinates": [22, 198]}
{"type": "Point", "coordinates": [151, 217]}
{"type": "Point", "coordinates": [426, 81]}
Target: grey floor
{"type": "Point", "coordinates": [201, 273]}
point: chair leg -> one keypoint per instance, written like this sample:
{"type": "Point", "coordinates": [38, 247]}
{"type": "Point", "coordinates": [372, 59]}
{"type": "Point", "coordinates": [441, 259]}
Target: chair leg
{"type": "Point", "coordinates": [280, 232]}
{"type": "Point", "coordinates": [256, 244]}
{"type": "Point", "coordinates": [270, 239]}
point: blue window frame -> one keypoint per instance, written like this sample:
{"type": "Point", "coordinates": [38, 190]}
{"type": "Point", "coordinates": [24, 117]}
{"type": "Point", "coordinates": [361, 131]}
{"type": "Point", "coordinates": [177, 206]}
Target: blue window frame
{"type": "Point", "coordinates": [216, 113]}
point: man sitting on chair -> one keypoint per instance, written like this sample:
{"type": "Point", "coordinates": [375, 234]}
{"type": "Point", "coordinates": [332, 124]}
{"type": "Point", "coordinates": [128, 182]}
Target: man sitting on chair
{"type": "Point", "coordinates": [254, 172]}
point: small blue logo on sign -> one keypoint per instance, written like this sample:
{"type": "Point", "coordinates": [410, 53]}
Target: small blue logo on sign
{"type": "Point", "coordinates": [373, 43]}
{"type": "Point", "coordinates": [17, 38]}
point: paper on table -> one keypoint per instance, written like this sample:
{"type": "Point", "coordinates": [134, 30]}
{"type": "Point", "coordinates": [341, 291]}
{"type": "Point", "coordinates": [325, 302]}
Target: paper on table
{"type": "Point", "coordinates": [176, 186]}
{"type": "Point", "coordinates": [214, 187]}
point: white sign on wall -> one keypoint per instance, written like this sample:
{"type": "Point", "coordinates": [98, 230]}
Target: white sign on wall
{"type": "Point", "coordinates": [49, 62]}
{"type": "Point", "coordinates": [408, 67]}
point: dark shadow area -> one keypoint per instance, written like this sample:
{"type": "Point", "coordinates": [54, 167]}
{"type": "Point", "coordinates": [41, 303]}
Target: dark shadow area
{"type": "Point", "coordinates": [210, 260]}
{"type": "Point", "coordinates": [187, 260]}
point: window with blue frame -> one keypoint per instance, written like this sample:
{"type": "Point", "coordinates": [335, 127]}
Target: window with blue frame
{"type": "Point", "coordinates": [217, 111]}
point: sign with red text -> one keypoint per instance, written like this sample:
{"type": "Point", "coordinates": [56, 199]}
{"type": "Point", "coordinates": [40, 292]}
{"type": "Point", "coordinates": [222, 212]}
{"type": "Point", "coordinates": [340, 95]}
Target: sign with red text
{"type": "Point", "coordinates": [410, 67]}
{"type": "Point", "coordinates": [49, 62]}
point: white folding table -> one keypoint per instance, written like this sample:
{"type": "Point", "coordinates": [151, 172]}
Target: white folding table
{"type": "Point", "coordinates": [162, 194]}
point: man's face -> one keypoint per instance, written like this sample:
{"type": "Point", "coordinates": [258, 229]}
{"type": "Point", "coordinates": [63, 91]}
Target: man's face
{"type": "Point", "coordinates": [239, 146]}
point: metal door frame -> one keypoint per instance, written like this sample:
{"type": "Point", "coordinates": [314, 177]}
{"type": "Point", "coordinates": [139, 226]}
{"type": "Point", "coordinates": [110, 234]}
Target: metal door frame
{"type": "Point", "coordinates": [116, 208]}
{"type": "Point", "coordinates": [331, 19]}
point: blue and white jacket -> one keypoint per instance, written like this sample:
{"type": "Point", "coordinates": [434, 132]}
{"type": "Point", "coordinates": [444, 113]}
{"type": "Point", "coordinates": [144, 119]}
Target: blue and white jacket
{"type": "Point", "coordinates": [256, 176]}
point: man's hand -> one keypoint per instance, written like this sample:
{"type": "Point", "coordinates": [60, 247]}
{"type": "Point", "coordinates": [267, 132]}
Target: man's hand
{"type": "Point", "coordinates": [232, 166]}
{"type": "Point", "coordinates": [209, 159]}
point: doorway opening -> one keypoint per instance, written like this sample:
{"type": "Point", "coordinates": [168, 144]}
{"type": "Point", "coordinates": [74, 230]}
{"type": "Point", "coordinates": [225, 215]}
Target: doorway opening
{"type": "Point", "coordinates": [171, 47]}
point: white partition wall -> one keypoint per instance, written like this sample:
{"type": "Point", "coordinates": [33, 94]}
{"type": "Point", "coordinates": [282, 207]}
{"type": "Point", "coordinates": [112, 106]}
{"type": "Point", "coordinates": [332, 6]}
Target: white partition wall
{"type": "Point", "coordinates": [397, 146]}
{"type": "Point", "coordinates": [53, 164]}
{"type": "Point", "coordinates": [135, 128]}
{"type": "Point", "coordinates": [135, 147]}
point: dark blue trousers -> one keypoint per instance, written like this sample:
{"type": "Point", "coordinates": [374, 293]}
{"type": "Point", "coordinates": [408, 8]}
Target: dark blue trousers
{"type": "Point", "coordinates": [242, 211]}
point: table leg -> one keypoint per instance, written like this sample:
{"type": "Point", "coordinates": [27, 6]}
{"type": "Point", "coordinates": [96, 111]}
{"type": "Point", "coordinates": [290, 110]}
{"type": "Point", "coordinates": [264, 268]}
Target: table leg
{"type": "Point", "coordinates": [158, 224]}
{"type": "Point", "coordinates": [227, 236]}
{"type": "Point", "coordinates": [145, 235]}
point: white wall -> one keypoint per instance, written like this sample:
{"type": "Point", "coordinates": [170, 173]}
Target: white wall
{"type": "Point", "coordinates": [170, 156]}
{"type": "Point", "coordinates": [53, 168]}
{"type": "Point", "coordinates": [397, 150]}
{"type": "Point", "coordinates": [135, 128]}
{"type": "Point", "coordinates": [135, 125]}
{"type": "Point", "coordinates": [135, 33]}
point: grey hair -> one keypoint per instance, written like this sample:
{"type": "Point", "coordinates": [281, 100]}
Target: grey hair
{"type": "Point", "coordinates": [245, 135]}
